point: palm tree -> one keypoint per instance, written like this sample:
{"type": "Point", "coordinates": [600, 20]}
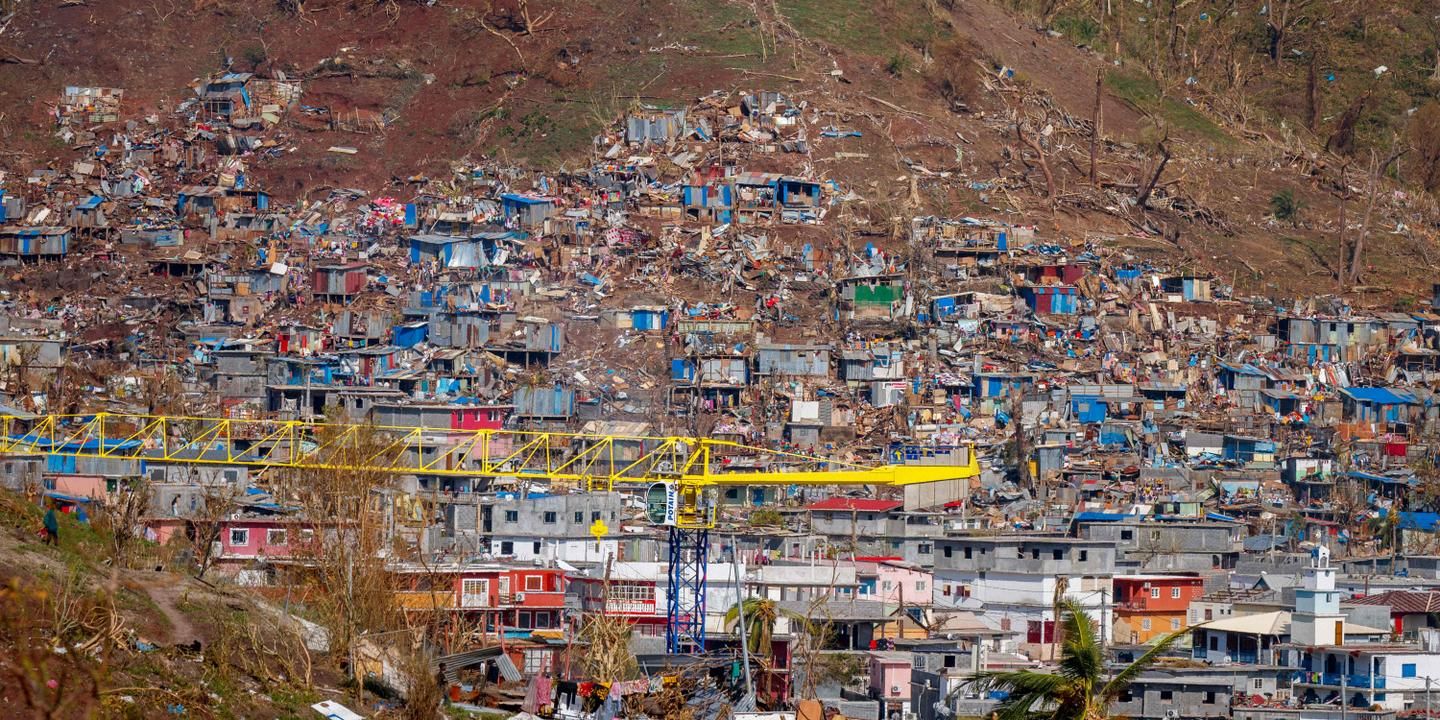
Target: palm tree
{"type": "Point", "coordinates": [1079, 688]}
{"type": "Point", "coordinates": [760, 617]}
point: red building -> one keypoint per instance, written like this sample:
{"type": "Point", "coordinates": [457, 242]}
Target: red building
{"type": "Point", "coordinates": [479, 417]}
{"type": "Point", "coordinates": [1151, 606]}
{"type": "Point", "coordinates": [502, 597]}
{"type": "Point", "coordinates": [338, 282]}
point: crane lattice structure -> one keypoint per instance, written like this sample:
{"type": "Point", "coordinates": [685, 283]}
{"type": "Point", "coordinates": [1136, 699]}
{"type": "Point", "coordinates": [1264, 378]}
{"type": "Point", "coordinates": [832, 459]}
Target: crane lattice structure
{"type": "Point", "coordinates": [688, 469]}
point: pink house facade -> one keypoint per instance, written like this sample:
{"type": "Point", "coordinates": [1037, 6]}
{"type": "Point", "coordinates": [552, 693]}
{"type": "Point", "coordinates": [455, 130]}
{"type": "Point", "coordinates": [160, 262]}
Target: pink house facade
{"type": "Point", "coordinates": [890, 679]}
{"type": "Point", "coordinates": [85, 486]}
{"type": "Point", "coordinates": [245, 539]}
{"type": "Point", "coordinates": [894, 581]}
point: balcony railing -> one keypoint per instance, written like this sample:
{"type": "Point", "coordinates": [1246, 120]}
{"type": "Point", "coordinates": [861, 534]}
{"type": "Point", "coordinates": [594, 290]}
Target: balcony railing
{"type": "Point", "coordinates": [534, 598]}
{"type": "Point", "coordinates": [1352, 681]}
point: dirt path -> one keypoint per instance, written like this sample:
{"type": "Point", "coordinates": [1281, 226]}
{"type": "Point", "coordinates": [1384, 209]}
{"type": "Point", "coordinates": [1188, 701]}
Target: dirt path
{"type": "Point", "coordinates": [165, 590]}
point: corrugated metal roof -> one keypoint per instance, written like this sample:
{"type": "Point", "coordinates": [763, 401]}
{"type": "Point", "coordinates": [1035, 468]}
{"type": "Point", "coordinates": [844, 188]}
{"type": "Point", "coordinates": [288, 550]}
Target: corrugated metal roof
{"type": "Point", "coordinates": [460, 661]}
{"type": "Point", "coordinates": [527, 199]}
{"type": "Point", "coordinates": [756, 178]}
{"type": "Point", "coordinates": [1382, 395]}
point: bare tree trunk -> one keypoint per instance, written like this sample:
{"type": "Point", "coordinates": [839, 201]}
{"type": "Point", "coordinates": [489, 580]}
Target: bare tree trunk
{"type": "Point", "coordinates": [1095, 124]}
{"type": "Point", "coordinates": [1358, 251]}
{"type": "Point", "coordinates": [1039, 151]}
{"type": "Point", "coordinates": [1377, 172]}
{"type": "Point", "coordinates": [1344, 194]}
{"type": "Point", "coordinates": [1174, 31]}
{"type": "Point", "coordinates": [1143, 196]}
{"type": "Point", "coordinates": [1312, 90]}
{"type": "Point", "coordinates": [1277, 32]}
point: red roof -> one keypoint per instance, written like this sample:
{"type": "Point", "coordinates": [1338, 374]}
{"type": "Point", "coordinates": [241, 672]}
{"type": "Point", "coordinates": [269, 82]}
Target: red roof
{"type": "Point", "coordinates": [855, 504]}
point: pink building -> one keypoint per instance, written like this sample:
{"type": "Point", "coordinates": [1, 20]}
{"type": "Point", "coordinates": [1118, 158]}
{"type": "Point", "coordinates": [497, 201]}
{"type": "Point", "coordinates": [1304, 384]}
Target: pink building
{"type": "Point", "coordinates": [894, 581]}
{"type": "Point", "coordinates": [243, 539]}
{"type": "Point", "coordinates": [85, 486]}
{"type": "Point", "coordinates": [163, 529]}
{"type": "Point", "coordinates": [890, 679]}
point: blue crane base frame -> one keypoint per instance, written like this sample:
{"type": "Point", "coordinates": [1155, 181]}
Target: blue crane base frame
{"type": "Point", "coordinates": [685, 615]}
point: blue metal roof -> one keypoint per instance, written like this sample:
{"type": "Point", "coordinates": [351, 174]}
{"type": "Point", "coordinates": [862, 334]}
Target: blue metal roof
{"type": "Point", "coordinates": [63, 497]}
{"type": "Point", "coordinates": [1380, 395]}
{"type": "Point", "coordinates": [1419, 521]}
{"type": "Point", "coordinates": [1246, 369]}
{"type": "Point", "coordinates": [1095, 516]}
{"type": "Point", "coordinates": [1385, 479]}
{"type": "Point", "coordinates": [526, 199]}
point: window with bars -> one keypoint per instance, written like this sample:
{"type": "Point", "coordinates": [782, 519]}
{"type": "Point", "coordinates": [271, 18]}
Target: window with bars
{"type": "Point", "coordinates": [537, 661]}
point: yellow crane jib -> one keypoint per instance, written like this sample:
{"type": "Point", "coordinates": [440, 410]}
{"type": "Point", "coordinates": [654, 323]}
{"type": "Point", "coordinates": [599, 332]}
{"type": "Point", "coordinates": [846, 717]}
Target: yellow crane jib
{"type": "Point", "coordinates": [591, 461]}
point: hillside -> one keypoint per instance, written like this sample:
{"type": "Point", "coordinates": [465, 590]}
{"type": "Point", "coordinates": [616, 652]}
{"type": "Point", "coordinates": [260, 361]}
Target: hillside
{"type": "Point", "coordinates": [90, 631]}
{"type": "Point", "coordinates": [934, 87]}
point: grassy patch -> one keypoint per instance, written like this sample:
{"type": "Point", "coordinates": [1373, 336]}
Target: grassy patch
{"type": "Point", "coordinates": [547, 133]}
{"type": "Point", "coordinates": [1144, 94]}
{"type": "Point", "coordinates": [863, 26]}
{"type": "Point", "coordinates": [845, 23]}
{"type": "Point", "coordinates": [1079, 29]}
{"type": "Point", "coordinates": [294, 702]}
{"type": "Point", "coordinates": [722, 29]}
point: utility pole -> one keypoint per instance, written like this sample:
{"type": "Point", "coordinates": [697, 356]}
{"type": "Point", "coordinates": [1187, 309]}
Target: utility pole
{"type": "Point", "coordinates": [1427, 696]}
{"type": "Point", "coordinates": [1344, 701]}
{"type": "Point", "coordinates": [749, 699]}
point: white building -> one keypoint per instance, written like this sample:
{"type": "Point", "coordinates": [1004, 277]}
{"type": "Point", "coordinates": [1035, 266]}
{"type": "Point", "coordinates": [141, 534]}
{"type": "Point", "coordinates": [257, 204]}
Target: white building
{"type": "Point", "coordinates": [1336, 659]}
{"type": "Point", "coordinates": [1016, 577]}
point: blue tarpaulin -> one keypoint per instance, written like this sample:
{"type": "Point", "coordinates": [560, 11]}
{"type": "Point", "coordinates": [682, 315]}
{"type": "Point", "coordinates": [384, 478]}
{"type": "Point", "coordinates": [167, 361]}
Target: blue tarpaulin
{"type": "Point", "coordinates": [43, 443]}
{"type": "Point", "coordinates": [1426, 521]}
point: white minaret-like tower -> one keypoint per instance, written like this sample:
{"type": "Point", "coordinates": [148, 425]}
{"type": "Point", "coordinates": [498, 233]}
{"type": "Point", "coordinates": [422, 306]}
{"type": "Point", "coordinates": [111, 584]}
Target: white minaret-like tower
{"type": "Point", "coordinates": [1317, 619]}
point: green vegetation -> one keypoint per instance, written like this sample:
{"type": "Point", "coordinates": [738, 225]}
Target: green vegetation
{"type": "Point", "coordinates": [1285, 207]}
{"type": "Point", "coordinates": [1080, 29]}
{"type": "Point", "coordinates": [1143, 93]}
{"type": "Point", "coordinates": [1351, 77]}
{"type": "Point", "coordinates": [766, 517]}
{"type": "Point", "coordinates": [897, 64]}
{"type": "Point", "coordinates": [724, 29]}
{"type": "Point", "coordinates": [1081, 688]}
{"type": "Point", "coordinates": [254, 56]}
{"type": "Point", "coordinates": [870, 28]}
{"type": "Point", "coordinates": [761, 615]}
{"type": "Point", "coordinates": [850, 24]}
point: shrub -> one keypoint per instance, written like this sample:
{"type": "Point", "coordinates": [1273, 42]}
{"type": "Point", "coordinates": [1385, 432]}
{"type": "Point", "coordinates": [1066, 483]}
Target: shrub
{"type": "Point", "coordinates": [898, 64]}
{"type": "Point", "coordinates": [1285, 207]}
{"type": "Point", "coordinates": [952, 73]}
